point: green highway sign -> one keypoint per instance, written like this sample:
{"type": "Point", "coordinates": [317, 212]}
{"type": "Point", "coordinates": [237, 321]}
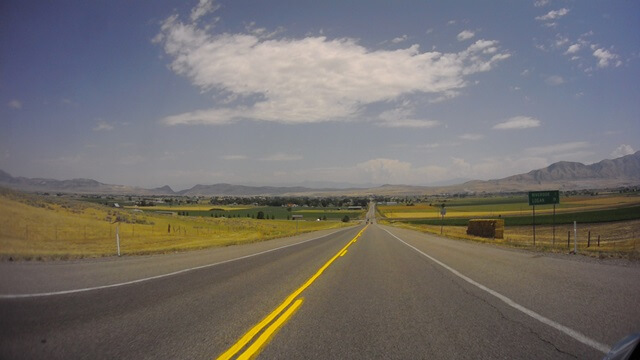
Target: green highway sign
{"type": "Point", "coordinates": [544, 197]}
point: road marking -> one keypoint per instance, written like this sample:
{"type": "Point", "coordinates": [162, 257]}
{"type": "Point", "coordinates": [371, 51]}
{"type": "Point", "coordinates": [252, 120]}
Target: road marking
{"type": "Point", "coordinates": [73, 291]}
{"type": "Point", "coordinates": [255, 348]}
{"type": "Point", "coordinates": [343, 253]}
{"type": "Point", "coordinates": [249, 335]}
{"type": "Point", "coordinates": [572, 333]}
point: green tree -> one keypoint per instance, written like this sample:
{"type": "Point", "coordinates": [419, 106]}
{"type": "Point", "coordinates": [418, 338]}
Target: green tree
{"type": "Point", "coordinates": [345, 218]}
{"type": "Point", "coordinates": [260, 215]}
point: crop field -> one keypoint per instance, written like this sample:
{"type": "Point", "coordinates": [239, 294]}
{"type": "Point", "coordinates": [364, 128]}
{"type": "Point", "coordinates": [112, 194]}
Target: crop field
{"type": "Point", "coordinates": [269, 212]}
{"type": "Point", "coordinates": [606, 224]}
{"type": "Point", "coordinates": [33, 227]}
{"type": "Point", "coordinates": [506, 207]}
{"type": "Point", "coordinates": [198, 207]}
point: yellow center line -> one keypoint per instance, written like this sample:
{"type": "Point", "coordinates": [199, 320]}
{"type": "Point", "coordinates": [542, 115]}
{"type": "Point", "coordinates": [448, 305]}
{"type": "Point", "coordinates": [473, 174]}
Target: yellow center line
{"type": "Point", "coordinates": [269, 332]}
{"type": "Point", "coordinates": [343, 253]}
{"type": "Point", "coordinates": [246, 338]}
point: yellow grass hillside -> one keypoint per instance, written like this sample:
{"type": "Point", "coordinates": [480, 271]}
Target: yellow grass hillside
{"type": "Point", "coordinates": [33, 226]}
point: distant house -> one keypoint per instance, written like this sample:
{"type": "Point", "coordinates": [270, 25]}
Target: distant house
{"type": "Point", "coordinates": [354, 207]}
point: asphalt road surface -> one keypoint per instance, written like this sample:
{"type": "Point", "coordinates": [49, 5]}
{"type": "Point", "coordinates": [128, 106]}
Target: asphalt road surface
{"type": "Point", "coordinates": [366, 292]}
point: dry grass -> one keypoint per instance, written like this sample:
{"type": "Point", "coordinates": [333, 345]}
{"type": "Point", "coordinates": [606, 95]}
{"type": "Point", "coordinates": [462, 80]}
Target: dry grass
{"type": "Point", "coordinates": [617, 239]}
{"type": "Point", "coordinates": [39, 227]}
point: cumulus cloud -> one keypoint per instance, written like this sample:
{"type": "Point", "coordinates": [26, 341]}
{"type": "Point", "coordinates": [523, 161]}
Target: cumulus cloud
{"type": "Point", "coordinates": [282, 157]}
{"type": "Point", "coordinates": [204, 7]}
{"type": "Point", "coordinates": [310, 79]}
{"type": "Point", "coordinates": [471, 136]}
{"type": "Point", "coordinates": [402, 117]}
{"type": "Point", "coordinates": [540, 3]}
{"type": "Point", "coordinates": [574, 48]}
{"type": "Point", "coordinates": [606, 58]}
{"type": "Point", "coordinates": [410, 123]}
{"type": "Point", "coordinates": [103, 126]}
{"type": "Point", "coordinates": [399, 39]}
{"type": "Point", "coordinates": [553, 15]}
{"type": "Point", "coordinates": [15, 104]}
{"type": "Point", "coordinates": [554, 80]}
{"type": "Point", "coordinates": [385, 170]}
{"type": "Point", "coordinates": [518, 122]}
{"type": "Point", "coordinates": [465, 35]}
{"type": "Point", "coordinates": [622, 150]}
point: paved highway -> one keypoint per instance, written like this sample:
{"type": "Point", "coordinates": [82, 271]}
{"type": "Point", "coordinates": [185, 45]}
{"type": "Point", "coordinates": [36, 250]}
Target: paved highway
{"type": "Point", "coordinates": [364, 292]}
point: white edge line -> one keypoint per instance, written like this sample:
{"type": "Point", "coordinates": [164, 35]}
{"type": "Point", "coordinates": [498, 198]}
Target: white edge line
{"type": "Point", "coordinates": [572, 333]}
{"type": "Point", "coordinates": [73, 291]}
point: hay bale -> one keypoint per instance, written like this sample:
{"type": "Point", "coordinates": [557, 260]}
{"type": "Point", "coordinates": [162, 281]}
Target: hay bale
{"type": "Point", "coordinates": [488, 228]}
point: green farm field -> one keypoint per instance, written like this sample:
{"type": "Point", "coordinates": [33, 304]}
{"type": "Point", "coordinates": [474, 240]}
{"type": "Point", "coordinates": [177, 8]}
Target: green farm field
{"type": "Point", "coordinates": [600, 208]}
{"type": "Point", "coordinates": [269, 212]}
{"type": "Point", "coordinates": [607, 225]}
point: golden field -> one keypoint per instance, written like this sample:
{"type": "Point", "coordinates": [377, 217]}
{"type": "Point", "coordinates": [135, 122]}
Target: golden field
{"type": "Point", "coordinates": [618, 239]}
{"type": "Point", "coordinates": [521, 208]}
{"type": "Point", "coordinates": [33, 226]}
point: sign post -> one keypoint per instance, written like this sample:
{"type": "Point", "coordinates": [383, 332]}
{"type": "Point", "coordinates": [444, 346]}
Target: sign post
{"type": "Point", "coordinates": [443, 212]}
{"type": "Point", "coordinates": [544, 198]}
{"type": "Point", "coordinates": [296, 218]}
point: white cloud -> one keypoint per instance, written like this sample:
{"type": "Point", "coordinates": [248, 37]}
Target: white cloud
{"type": "Point", "coordinates": [573, 49]}
{"type": "Point", "coordinates": [386, 170]}
{"type": "Point", "coordinates": [282, 157]}
{"type": "Point", "coordinates": [553, 14]}
{"type": "Point", "coordinates": [471, 136]}
{"type": "Point", "coordinates": [622, 150]}
{"type": "Point", "coordinates": [402, 117]}
{"type": "Point", "coordinates": [15, 104]}
{"type": "Point", "coordinates": [103, 126]}
{"type": "Point", "coordinates": [554, 80]}
{"type": "Point", "coordinates": [606, 58]}
{"type": "Point", "coordinates": [560, 41]}
{"type": "Point", "coordinates": [465, 35]}
{"type": "Point", "coordinates": [204, 7]}
{"type": "Point", "coordinates": [399, 39]}
{"type": "Point", "coordinates": [410, 123]}
{"type": "Point", "coordinates": [541, 3]}
{"type": "Point", "coordinates": [233, 157]}
{"type": "Point", "coordinates": [518, 122]}
{"type": "Point", "coordinates": [311, 79]}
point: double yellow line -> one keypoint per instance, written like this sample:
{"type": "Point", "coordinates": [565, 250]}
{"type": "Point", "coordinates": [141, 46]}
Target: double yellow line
{"type": "Point", "coordinates": [264, 338]}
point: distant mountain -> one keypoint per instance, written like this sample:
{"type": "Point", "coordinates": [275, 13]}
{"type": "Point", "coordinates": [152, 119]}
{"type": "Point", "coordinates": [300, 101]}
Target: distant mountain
{"type": "Point", "coordinates": [240, 190]}
{"type": "Point", "coordinates": [563, 175]}
{"type": "Point", "coordinates": [80, 186]}
{"type": "Point", "coordinates": [567, 175]}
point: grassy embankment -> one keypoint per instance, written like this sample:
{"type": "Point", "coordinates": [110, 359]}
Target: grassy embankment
{"type": "Point", "coordinates": [614, 219]}
{"type": "Point", "coordinates": [33, 227]}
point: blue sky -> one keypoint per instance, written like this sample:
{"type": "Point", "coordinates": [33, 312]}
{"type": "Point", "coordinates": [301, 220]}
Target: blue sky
{"type": "Point", "coordinates": [299, 92]}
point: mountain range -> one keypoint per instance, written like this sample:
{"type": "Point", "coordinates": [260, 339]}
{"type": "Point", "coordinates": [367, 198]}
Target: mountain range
{"type": "Point", "coordinates": [563, 175]}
